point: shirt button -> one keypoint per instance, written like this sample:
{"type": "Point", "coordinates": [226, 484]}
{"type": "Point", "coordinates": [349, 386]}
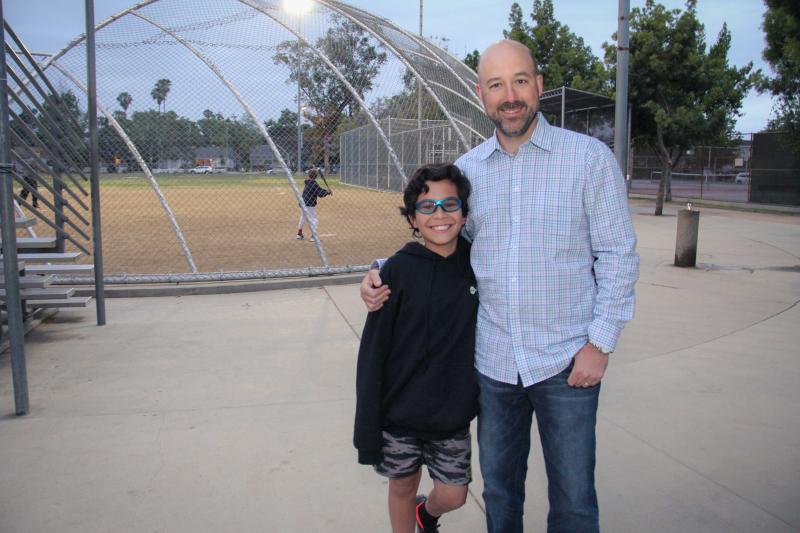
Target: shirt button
{"type": "Point", "coordinates": [514, 280]}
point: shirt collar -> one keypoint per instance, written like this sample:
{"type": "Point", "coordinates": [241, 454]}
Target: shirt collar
{"type": "Point", "coordinates": [542, 138]}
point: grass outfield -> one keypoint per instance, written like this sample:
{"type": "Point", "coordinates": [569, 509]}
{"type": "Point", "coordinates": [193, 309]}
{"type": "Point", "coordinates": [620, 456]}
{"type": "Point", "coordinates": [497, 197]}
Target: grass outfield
{"type": "Point", "coordinates": [238, 222]}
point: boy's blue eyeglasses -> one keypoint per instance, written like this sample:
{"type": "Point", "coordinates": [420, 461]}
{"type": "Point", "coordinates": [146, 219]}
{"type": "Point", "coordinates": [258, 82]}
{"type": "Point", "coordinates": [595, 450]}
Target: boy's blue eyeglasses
{"type": "Point", "coordinates": [429, 207]}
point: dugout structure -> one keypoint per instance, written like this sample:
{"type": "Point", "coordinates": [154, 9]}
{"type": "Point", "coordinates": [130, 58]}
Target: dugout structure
{"type": "Point", "coordinates": [258, 91]}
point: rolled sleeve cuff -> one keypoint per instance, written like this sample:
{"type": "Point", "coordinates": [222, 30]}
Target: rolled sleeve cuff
{"type": "Point", "coordinates": [604, 334]}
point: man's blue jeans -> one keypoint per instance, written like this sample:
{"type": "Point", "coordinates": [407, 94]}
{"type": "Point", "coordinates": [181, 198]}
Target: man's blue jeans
{"type": "Point", "coordinates": [566, 418]}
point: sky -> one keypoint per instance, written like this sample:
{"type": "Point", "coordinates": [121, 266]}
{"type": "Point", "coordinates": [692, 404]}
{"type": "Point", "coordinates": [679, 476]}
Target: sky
{"type": "Point", "coordinates": [461, 25]}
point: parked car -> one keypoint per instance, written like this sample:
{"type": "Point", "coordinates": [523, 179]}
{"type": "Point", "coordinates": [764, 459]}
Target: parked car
{"type": "Point", "coordinates": [203, 169]}
{"type": "Point", "coordinates": [742, 177]}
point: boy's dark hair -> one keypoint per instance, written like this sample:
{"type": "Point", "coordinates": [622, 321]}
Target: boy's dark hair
{"type": "Point", "coordinates": [418, 185]}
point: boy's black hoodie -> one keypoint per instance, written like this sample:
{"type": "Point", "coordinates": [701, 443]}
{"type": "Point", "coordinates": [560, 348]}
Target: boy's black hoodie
{"type": "Point", "coordinates": [416, 373]}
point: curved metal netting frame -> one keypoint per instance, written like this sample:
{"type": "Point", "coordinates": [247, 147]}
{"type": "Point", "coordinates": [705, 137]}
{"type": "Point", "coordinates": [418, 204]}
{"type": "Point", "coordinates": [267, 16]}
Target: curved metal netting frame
{"type": "Point", "coordinates": [443, 78]}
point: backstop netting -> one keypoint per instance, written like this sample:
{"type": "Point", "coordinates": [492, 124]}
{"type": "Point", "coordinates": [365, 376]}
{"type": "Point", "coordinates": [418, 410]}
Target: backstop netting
{"type": "Point", "coordinates": [212, 112]}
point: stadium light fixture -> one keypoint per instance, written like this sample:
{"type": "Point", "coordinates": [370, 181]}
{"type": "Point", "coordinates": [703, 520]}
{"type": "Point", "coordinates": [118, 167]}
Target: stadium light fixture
{"type": "Point", "coordinates": [297, 7]}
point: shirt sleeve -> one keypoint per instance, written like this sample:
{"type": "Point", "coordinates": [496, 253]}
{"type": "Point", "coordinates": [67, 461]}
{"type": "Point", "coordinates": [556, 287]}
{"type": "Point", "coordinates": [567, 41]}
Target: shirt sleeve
{"type": "Point", "coordinates": [613, 243]}
{"type": "Point", "coordinates": [376, 343]}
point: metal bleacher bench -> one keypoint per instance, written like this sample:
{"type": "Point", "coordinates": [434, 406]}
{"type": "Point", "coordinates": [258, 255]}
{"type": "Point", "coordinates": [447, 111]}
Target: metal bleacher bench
{"type": "Point", "coordinates": [64, 257]}
{"type": "Point", "coordinates": [34, 242]}
{"type": "Point", "coordinates": [38, 267]}
{"type": "Point", "coordinates": [39, 274]}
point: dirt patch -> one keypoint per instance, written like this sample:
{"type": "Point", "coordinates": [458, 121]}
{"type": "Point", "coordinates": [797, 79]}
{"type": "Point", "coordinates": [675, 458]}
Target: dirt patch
{"type": "Point", "coordinates": [241, 227]}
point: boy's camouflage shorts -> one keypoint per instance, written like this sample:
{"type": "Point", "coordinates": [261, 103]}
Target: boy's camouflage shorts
{"type": "Point", "coordinates": [448, 460]}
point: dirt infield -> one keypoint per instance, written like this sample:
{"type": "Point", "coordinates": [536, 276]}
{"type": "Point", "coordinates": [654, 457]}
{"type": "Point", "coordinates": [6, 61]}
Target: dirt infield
{"type": "Point", "coordinates": [237, 223]}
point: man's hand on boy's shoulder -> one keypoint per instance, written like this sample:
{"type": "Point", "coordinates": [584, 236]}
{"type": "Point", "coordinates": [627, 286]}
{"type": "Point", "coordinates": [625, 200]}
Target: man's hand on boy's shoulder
{"type": "Point", "coordinates": [373, 292]}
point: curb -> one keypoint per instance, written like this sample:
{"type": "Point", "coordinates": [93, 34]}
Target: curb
{"type": "Point", "coordinates": [219, 287]}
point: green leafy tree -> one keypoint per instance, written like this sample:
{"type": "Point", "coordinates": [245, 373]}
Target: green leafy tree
{"type": "Point", "coordinates": [125, 100]}
{"type": "Point", "coordinates": [163, 136]}
{"type": "Point", "coordinates": [284, 133]}
{"type": "Point", "coordinates": [160, 92]}
{"type": "Point", "coordinates": [563, 58]}
{"type": "Point", "coordinates": [782, 30]}
{"type": "Point", "coordinates": [229, 133]}
{"type": "Point", "coordinates": [472, 59]}
{"type": "Point", "coordinates": [410, 103]}
{"type": "Point", "coordinates": [348, 47]}
{"type": "Point", "coordinates": [681, 93]}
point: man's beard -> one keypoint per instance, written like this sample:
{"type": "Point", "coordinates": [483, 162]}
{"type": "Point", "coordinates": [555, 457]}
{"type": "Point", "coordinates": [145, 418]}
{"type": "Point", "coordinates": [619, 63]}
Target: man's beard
{"type": "Point", "coordinates": [498, 121]}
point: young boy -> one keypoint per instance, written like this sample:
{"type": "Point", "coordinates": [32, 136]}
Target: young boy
{"type": "Point", "coordinates": [311, 191]}
{"type": "Point", "coordinates": [416, 386]}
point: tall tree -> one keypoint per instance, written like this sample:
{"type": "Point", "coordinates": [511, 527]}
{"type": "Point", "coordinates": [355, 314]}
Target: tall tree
{"type": "Point", "coordinates": [563, 58]}
{"type": "Point", "coordinates": [125, 100]}
{"type": "Point", "coordinates": [160, 92]}
{"type": "Point", "coordinates": [782, 30]}
{"type": "Point", "coordinates": [472, 59]}
{"type": "Point", "coordinates": [349, 48]}
{"type": "Point", "coordinates": [681, 94]}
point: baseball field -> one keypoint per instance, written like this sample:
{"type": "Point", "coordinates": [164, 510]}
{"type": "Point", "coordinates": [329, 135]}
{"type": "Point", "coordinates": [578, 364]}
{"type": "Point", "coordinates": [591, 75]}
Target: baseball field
{"type": "Point", "coordinates": [235, 222]}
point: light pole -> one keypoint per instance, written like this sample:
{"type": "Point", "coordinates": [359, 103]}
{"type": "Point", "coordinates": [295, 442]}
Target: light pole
{"type": "Point", "coordinates": [298, 8]}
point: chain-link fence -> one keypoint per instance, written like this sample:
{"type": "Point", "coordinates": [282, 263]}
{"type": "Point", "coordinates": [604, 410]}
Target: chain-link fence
{"type": "Point", "coordinates": [213, 112]}
{"type": "Point", "coordinates": [366, 161]}
{"type": "Point", "coordinates": [762, 167]}
{"type": "Point", "coordinates": [704, 172]}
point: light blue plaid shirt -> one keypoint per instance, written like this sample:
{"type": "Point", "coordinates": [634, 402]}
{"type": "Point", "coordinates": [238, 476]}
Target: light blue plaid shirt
{"type": "Point", "coordinates": [553, 251]}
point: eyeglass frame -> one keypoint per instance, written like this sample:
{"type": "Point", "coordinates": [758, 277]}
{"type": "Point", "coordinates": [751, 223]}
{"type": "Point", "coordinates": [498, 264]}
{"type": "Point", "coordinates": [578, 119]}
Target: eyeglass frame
{"type": "Point", "coordinates": [437, 204]}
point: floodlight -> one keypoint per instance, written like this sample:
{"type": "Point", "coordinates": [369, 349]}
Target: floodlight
{"type": "Point", "coordinates": [297, 7]}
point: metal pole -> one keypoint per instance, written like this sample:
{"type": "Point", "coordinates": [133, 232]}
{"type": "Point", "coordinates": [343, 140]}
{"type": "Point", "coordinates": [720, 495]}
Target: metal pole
{"type": "Point", "coordinates": [299, 107]}
{"type": "Point", "coordinates": [419, 98]}
{"type": "Point", "coordinates": [299, 130]}
{"type": "Point", "coordinates": [621, 108]}
{"type": "Point", "coordinates": [16, 332]}
{"type": "Point", "coordinates": [91, 82]}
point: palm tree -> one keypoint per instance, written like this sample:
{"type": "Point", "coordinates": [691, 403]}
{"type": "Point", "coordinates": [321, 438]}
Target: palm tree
{"type": "Point", "coordinates": [160, 91]}
{"type": "Point", "coordinates": [125, 101]}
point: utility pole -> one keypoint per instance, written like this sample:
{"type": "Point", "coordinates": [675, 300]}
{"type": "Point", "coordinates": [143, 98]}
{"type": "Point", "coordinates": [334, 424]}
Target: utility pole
{"type": "Point", "coordinates": [621, 108]}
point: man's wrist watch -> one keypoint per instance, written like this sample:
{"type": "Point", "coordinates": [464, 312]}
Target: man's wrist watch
{"type": "Point", "coordinates": [601, 349]}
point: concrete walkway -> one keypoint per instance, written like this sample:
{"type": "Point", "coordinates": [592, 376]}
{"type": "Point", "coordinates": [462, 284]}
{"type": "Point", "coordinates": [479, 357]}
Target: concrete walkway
{"type": "Point", "coordinates": [225, 413]}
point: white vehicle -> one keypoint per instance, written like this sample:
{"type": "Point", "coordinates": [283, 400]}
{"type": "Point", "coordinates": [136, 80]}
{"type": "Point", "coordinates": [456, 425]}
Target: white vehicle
{"type": "Point", "coordinates": [742, 177]}
{"type": "Point", "coordinates": [204, 169]}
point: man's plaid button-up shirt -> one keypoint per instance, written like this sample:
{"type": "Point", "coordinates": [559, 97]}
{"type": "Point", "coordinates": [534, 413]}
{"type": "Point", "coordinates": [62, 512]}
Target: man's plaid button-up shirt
{"type": "Point", "coordinates": [553, 252]}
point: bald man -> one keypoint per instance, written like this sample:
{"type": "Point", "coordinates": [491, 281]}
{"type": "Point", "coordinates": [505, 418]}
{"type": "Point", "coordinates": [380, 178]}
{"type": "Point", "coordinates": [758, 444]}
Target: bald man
{"type": "Point", "coordinates": [554, 255]}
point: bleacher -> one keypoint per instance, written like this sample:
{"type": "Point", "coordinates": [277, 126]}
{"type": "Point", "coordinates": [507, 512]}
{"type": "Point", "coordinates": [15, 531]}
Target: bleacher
{"type": "Point", "coordinates": [39, 264]}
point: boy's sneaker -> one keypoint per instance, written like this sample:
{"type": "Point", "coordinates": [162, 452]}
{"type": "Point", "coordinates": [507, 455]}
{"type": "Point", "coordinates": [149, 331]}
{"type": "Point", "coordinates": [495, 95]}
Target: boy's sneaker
{"type": "Point", "coordinates": [299, 237]}
{"type": "Point", "coordinates": [312, 239]}
{"type": "Point", "coordinates": [422, 528]}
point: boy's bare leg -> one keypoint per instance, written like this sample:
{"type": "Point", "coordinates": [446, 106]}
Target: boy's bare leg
{"type": "Point", "coordinates": [445, 498]}
{"type": "Point", "coordinates": [402, 500]}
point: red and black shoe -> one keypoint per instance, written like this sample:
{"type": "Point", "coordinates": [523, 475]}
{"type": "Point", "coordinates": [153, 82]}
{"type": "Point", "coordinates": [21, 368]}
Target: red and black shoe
{"type": "Point", "coordinates": [423, 526]}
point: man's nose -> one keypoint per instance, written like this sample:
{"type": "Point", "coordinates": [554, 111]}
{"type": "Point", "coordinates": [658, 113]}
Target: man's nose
{"type": "Point", "coordinates": [510, 95]}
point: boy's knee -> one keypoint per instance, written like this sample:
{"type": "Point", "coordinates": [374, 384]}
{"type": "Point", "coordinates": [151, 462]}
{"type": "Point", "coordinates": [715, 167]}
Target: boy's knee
{"type": "Point", "coordinates": [450, 500]}
{"type": "Point", "coordinates": [457, 500]}
{"type": "Point", "coordinates": [404, 486]}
